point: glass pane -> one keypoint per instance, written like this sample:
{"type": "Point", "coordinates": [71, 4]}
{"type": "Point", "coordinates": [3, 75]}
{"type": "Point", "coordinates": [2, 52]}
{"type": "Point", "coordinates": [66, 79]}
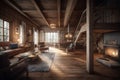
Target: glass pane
{"type": "Point", "coordinates": [52, 37]}
{"type": "Point", "coordinates": [4, 38]}
{"type": "Point", "coordinates": [7, 38]}
{"type": "Point", "coordinates": [6, 24]}
{"type": "Point", "coordinates": [1, 38]}
{"type": "Point", "coordinates": [1, 31]}
{"type": "Point", "coordinates": [8, 32]}
{"type": "Point", "coordinates": [1, 23]}
{"type": "Point", "coordinates": [5, 31]}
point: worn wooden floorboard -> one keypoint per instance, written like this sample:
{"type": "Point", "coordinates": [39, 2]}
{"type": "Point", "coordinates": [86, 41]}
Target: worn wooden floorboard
{"type": "Point", "coordinates": [72, 66]}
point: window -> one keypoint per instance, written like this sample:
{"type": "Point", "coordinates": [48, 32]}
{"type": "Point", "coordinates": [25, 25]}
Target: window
{"type": "Point", "coordinates": [52, 37]}
{"type": "Point", "coordinates": [35, 36]}
{"type": "Point", "coordinates": [22, 30]}
{"type": "Point", "coordinates": [42, 36]}
{"type": "Point", "coordinates": [21, 34]}
{"type": "Point", "coordinates": [4, 30]}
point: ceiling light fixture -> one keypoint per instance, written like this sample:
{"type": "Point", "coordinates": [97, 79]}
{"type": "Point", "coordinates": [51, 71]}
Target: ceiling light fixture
{"type": "Point", "coordinates": [68, 35]}
{"type": "Point", "coordinates": [53, 25]}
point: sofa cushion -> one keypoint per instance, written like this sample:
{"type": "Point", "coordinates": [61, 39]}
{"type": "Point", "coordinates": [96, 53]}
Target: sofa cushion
{"type": "Point", "coordinates": [1, 49]}
{"type": "Point", "coordinates": [13, 45]}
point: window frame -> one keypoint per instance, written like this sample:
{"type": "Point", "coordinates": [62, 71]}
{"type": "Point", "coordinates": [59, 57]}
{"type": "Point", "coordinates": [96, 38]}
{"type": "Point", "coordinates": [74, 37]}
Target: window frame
{"type": "Point", "coordinates": [4, 26]}
{"type": "Point", "coordinates": [52, 37]}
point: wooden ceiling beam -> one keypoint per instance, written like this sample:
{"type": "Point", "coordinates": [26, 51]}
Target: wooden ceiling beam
{"type": "Point", "coordinates": [69, 9]}
{"type": "Point", "coordinates": [49, 11]}
{"type": "Point", "coordinates": [21, 12]}
{"type": "Point", "coordinates": [40, 12]}
{"type": "Point", "coordinates": [27, 11]}
{"type": "Point", "coordinates": [109, 26]}
{"type": "Point", "coordinates": [107, 8]}
{"type": "Point", "coordinates": [33, 10]}
{"type": "Point", "coordinates": [46, 18]}
{"type": "Point", "coordinates": [58, 6]}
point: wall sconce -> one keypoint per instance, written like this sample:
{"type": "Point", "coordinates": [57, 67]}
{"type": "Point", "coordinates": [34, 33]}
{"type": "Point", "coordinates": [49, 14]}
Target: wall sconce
{"type": "Point", "coordinates": [17, 30]}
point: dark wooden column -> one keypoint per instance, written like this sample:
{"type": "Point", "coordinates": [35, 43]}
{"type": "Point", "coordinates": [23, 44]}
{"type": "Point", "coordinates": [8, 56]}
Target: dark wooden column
{"type": "Point", "coordinates": [89, 55]}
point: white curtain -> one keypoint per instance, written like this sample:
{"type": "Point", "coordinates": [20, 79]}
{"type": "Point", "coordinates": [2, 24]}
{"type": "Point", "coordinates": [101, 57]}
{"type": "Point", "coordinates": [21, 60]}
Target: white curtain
{"type": "Point", "coordinates": [35, 36]}
{"type": "Point", "coordinates": [21, 37]}
{"type": "Point", "coordinates": [42, 36]}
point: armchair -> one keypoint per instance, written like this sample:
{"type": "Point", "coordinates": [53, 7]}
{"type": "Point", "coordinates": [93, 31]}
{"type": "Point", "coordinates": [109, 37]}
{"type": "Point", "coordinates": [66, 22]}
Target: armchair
{"type": "Point", "coordinates": [42, 46]}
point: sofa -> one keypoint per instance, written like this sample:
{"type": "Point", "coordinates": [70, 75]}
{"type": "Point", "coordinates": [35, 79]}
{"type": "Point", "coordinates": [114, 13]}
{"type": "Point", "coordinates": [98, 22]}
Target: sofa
{"type": "Point", "coordinates": [12, 49]}
{"type": "Point", "coordinates": [11, 69]}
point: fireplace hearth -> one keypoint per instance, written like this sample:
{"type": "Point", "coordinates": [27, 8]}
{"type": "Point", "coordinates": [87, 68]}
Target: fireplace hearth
{"type": "Point", "coordinates": [111, 54]}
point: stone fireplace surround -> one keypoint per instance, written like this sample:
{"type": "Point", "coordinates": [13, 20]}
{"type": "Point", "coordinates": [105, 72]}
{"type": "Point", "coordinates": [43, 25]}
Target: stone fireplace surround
{"type": "Point", "coordinates": [111, 55]}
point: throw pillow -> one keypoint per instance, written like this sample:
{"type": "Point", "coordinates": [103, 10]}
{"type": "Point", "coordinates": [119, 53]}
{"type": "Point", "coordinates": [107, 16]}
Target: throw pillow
{"type": "Point", "coordinates": [13, 45]}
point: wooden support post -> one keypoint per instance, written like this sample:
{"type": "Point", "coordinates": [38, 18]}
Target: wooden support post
{"type": "Point", "coordinates": [89, 55]}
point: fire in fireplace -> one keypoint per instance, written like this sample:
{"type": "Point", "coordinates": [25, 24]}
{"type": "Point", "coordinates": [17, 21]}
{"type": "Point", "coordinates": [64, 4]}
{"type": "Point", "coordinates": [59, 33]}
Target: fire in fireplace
{"type": "Point", "coordinates": [112, 51]}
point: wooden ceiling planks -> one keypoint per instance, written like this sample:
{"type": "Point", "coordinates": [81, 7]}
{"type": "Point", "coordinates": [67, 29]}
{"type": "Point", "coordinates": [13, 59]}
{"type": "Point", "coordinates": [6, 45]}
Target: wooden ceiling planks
{"type": "Point", "coordinates": [49, 9]}
{"type": "Point", "coordinates": [20, 11]}
{"type": "Point", "coordinates": [25, 4]}
{"type": "Point", "coordinates": [59, 12]}
{"type": "Point", "coordinates": [52, 11]}
{"type": "Point", "coordinates": [69, 9]}
{"type": "Point", "coordinates": [39, 11]}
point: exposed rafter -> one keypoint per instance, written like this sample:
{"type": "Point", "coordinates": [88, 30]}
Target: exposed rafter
{"type": "Point", "coordinates": [107, 26]}
{"type": "Point", "coordinates": [53, 18]}
{"type": "Point", "coordinates": [20, 11]}
{"type": "Point", "coordinates": [59, 5]}
{"type": "Point", "coordinates": [39, 11]}
{"type": "Point", "coordinates": [32, 10]}
{"type": "Point", "coordinates": [69, 9]}
{"type": "Point", "coordinates": [49, 11]}
{"type": "Point", "coordinates": [27, 11]}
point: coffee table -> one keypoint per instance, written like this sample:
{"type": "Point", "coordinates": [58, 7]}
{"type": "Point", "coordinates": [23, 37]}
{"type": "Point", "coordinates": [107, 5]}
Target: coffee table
{"type": "Point", "coordinates": [30, 56]}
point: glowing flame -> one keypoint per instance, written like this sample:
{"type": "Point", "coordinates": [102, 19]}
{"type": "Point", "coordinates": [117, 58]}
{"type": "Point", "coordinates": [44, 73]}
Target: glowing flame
{"type": "Point", "coordinates": [112, 52]}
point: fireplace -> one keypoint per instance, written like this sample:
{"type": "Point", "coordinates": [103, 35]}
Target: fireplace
{"type": "Point", "coordinates": [112, 52]}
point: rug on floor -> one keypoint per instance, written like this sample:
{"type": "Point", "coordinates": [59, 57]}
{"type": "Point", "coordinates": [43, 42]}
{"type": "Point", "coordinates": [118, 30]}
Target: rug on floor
{"type": "Point", "coordinates": [43, 64]}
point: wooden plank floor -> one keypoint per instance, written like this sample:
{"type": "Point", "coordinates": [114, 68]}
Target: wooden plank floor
{"type": "Point", "coordinates": [71, 66]}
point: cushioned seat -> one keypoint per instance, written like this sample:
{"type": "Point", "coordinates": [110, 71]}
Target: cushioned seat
{"type": "Point", "coordinates": [12, 49]}
{"type": "Point", "coordinates": [42, 46]}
